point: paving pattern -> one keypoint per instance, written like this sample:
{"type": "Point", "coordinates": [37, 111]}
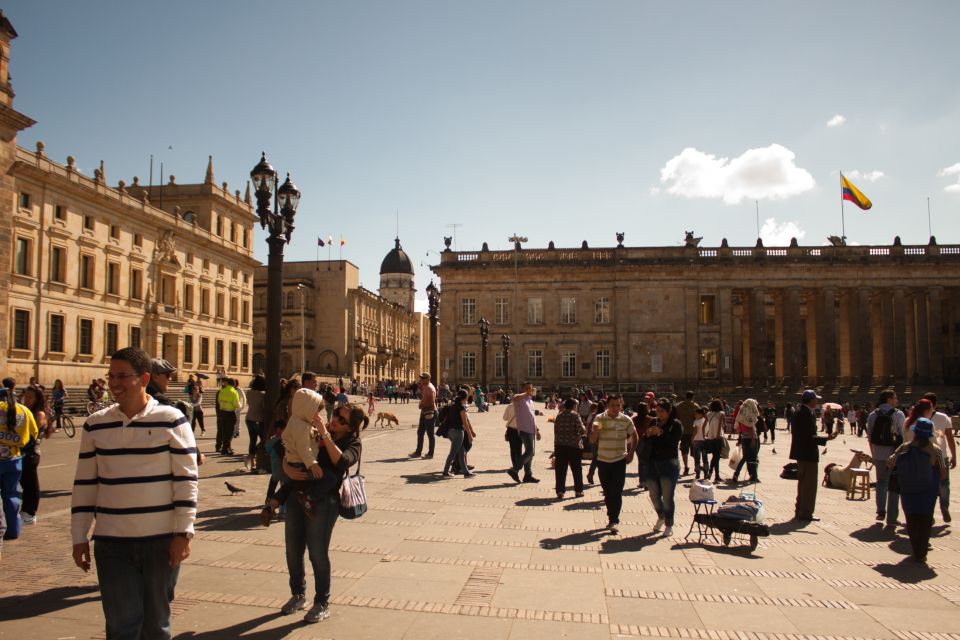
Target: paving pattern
{"type": "Point", "coordinates": [485, 558]}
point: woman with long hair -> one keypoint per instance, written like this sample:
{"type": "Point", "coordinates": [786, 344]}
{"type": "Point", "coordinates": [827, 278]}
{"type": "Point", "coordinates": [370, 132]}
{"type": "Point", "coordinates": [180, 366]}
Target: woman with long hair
{"type": "Point", "coordinates": [713, 438]}
{"type": "Point", "coordinates": [339, 449]}
{"type": "Point", "coordinates": [459, 432]}
{"type": "Point", "coordinates": [663, 471]}
{"type": "Point", "coordinates": [59, 397]}
{"type": "Point", "coordinates": [254, 418]}
{"type": "Point", "coordinates": [29, 479]}
{"type": "Point", "coordinates": [17, 428]}
{"type": "Point", "coordinates": [922, 409]}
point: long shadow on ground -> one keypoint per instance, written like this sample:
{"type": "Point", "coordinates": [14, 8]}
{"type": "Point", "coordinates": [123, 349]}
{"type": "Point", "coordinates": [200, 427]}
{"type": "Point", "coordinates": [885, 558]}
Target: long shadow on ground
{"type": "Point", "coordinates": [239, 630]}
{"type": "Point", "coordinates": [44, 602]}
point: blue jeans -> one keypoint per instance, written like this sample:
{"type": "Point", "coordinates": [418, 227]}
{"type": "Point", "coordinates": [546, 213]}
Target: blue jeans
{"type": "Point", "coordinates": [10, 471]}
{"type": "Point", "coordinates": [311, 534]}
{"type": "Point", "coordinates": [945, 494]}
{"type": "Point", "coordinates": [751, 451]}
{"type": "Point", "coordinates": [426, 427]}
{"type": "Point", "coordinates": [457, 453]}
{"type": "Point", "coordinates": [526, 458]}
{"type": "Point", "coordinates": [254, 430]}
{"type": "Point", "coordinates": [887, 501]}
{"type": "Point", "coordinates": [662, 480]}
{"type": "Point", "coordinates": [136, 588]}
{"type": "Point", "coordinates": [700, 458]}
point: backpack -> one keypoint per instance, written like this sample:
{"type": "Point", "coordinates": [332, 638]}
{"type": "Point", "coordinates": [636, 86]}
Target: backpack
{"type": "Point", "coordinates": [883, 434]}
{"type": "Point", "coordinates": [915, 473]}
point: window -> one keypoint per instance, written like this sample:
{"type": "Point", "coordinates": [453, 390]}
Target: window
{"type": "Point", "coordinates": [601, 311]}
{"type": "Point", "coordinates": [246, 239]}
{"type": "Point", "coordinates": [219, 225]}
{"type": "Point", "coordinates": [568, 364]}
{"type": "Point", "coordinates": [233, 232]}
{"type": "Point", "coordinates": [188, 348]}
{"type": "Point", "coordinates": [189, 260]}
{"type": "Point", "coordinates": [60, 212]}
{"type": "Point", "coordinates": [535, 311]}
{"type": "Point", "coordinates": [220, 305]}
{"type": "Point", "coordinates": [24, 200]}
{"type": "Point", "coordinates": [468, 311]}
{"type": "Point", "coordinates": [87, 266]}
{"type": "Point", "coordinates": [112, 337]}
{"type": "Point", "coordinates": [204, 351]}
{"type": "Point", "coordinates": [21, 329]}
{"type": "Point", "coordinates": [188, 297]}
{"type": "Point", "coordinates": [498, 365]}
{"type": "Point", "coordinates": [501, 311]}
{"type": "Point", "coordinates": [205, 302]}
{"type": "Point", "coordinates": [234, 308]}
{"type": "Point", "coordinates": [219, 353]}
{"type": "Point", "coordinates": [708, 309]}
{"type": "Point", "coordinates": [85, 341]}
{"type": "Point", "coordinates": [58, 264]}
{"type": "Point", "coordinates": [468, 364]}
{"type": "Point", "coordinates": [233, 355]}
{"type": "Point", "coordinates": [135, 337]}
{"type": "Point", "coordinates": [55, 333]}
{"type": "Point", "coordinates": [568, 311]}
{"type": "Point", "coordinates": [245, 316]}
{"type": "Point", "coordinates": [88, 223]}
{"type": "Point", "coordinates": [219, 270]}
{"type": "Point", "coordinates": [137, 240]}
{"type": "Point", "coordinates": [245, 356]}
{"type": "Point", "coordinates": [206, 265]}
{"type": "Point", "coordinates": [168, 288]}
{"type": "Point", "coordinates": [22, 266]}
{"type": "Point", "coordinates": [113, 281]}
{"type": "Point", "coordinates": [115, 231]}
{"type": "Point", "coordinates": [603, 363]}
{"type": "Point", "coordinates": [708, 363]}
{"type": "Point", "coordinates": [136, 284]}
{"type": "Point", "coordinates": [535, 363]}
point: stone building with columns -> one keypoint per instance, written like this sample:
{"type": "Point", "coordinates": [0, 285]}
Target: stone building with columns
{"type": "Point", "coordinates": [333, 326]}
{"type": "Point", "coordinates": [95, 267]}
{"type": "Point", "coordinates": [719, 318]}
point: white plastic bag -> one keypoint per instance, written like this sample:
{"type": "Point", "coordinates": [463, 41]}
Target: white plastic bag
{"type": "Point", "coordinates": [735, 456]}
{"type": "Point", "coordinates": [701, 490]}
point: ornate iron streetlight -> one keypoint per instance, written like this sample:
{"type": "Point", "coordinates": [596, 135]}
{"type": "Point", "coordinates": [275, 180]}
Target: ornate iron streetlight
{"type": "Point", "coordinates": [484, 325]}
{"type": "Point", "coordinates": [433, 299]}
{"type": "Point", "coordinates": [277, 220]}
{"type": "Point", "coordinates": [505, 339]}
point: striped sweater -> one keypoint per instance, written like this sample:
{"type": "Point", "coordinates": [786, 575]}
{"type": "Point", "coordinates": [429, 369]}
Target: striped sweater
{"type": "Point", "coordinates": [136, 477]}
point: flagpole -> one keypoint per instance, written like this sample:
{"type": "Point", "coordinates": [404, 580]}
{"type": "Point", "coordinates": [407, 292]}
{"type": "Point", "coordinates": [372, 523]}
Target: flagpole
{"type": "Point", "coordinates": [929, 221]}
{"type": "Point", "coordinates": [843, 222]}
{"type": "Point", "coordinates": [757, 202]}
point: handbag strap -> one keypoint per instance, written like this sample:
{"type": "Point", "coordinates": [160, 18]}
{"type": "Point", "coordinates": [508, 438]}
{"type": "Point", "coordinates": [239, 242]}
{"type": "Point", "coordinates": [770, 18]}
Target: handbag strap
{"type": "Point", "coordinates": [359, 458]}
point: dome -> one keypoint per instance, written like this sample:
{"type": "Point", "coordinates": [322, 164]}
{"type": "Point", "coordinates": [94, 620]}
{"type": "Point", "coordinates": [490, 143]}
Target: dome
{"type": "Point", "coordinates": [397, 261]}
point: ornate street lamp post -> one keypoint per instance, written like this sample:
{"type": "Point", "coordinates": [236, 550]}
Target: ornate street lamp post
{"type": "Point", "coordinates": [433, 299]}
{"type": "Point", "coordinates": [506, 361]}
{"type": "Point", "coordinates": [277, 220]}
{"type": "Point", "coordinates": [484, 325]}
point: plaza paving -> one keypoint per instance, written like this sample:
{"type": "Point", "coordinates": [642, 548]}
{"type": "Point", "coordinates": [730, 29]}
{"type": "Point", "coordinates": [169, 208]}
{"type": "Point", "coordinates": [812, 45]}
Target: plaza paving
{"type": "Point", "coordinates": [484, 558]}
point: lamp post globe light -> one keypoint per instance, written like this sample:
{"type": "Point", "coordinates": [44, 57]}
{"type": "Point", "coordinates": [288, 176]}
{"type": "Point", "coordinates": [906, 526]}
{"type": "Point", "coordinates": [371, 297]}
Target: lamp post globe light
{"type": "Point", "coordinates": [484, 325]}
{"type": "Point", "coordinates": [276, 219]}
{"type": "Point", "coordinates": [433, 300]}
{"type": "Point", "coordinates": [505, 339]}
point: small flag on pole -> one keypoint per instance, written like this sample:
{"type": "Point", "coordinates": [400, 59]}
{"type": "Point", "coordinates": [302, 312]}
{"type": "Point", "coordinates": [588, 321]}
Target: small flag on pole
{"type": "Point", "coordinates": [330, 240]}
{"type": "Point", "coordinates": [853, 194]}
{"type": "Point", "coordinates": [319, 241]}
{"type": "Point", "coordinates": [342, 241]}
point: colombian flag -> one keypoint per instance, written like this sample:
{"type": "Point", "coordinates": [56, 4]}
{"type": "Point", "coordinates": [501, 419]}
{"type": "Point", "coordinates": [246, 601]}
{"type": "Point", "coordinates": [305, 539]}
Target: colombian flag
{"type": "Point", "coordinates": [853, 194]}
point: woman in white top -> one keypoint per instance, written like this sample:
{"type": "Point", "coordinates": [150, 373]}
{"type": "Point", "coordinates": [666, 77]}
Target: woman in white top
{"type": "Point", "coordinates": [713, 438]}
{"type": "Point", "coordinates": [696, 444]}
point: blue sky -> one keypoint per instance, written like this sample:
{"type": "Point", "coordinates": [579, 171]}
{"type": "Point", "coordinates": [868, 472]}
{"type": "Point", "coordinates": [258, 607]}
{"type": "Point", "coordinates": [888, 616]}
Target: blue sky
{"type": "Point", "coordinates": [558, 120]}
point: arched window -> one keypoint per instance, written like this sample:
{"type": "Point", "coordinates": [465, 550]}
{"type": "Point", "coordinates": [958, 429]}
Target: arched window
{"type": "Point", "coordinates": [259, 363]}
{"type": "Point", "coordinates": [189, 216]}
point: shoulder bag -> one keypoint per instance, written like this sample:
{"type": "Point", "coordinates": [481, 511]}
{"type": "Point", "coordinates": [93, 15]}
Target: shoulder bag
{"type": "Point", "coordinates": [353, 497]}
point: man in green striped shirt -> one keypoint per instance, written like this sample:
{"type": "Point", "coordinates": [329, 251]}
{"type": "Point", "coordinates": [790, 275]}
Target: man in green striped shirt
{"type": "Point", "coordinates": [616, 438]}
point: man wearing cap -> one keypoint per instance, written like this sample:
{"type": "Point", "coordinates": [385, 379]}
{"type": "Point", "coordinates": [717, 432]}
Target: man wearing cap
{"type": "Point", "coordinates": [160, 372]}
{"type": "Point", "coordinates": [428, 416]}
{"type": "Point", "coordinates": [228, 402]}
{"type": "Point", "coordinates": [805, 449]}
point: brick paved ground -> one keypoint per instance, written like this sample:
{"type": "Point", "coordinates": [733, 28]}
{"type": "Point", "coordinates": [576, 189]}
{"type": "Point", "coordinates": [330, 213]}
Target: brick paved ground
{"type": "Point", "coordinates": [483, 558]}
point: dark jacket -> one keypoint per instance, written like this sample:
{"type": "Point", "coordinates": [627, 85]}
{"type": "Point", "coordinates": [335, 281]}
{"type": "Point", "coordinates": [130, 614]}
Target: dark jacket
{"type": "Point", "coordinates": [806, 443]}
{"type": "Point", "coordinates": [350, 449]}
{"type": "Point", "coordinates": [664, 446]}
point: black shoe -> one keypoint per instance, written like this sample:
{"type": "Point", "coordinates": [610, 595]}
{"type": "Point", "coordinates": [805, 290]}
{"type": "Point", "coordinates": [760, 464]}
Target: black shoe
{"type": "Point", "coordinates": [686, 471]}
{"type": "Point", "coordinates": [513, 474]}
{"type": "Point", "coordinates": [579, 494]}
{"type": "Point", "coordinates": [881, 516]}
{"type": "Point", "coordinates": [531, 479]}
{"type": "Point", "coordinates": [429, 456]}
{"type": "Point", "coordinates": [415, 454]}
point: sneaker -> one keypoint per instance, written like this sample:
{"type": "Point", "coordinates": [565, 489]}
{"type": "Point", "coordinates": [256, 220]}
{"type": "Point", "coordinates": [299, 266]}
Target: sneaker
{"type": "Point", "coordinates": [317, 612]}
{"type": "Point", "coordinates": [531, 479]}
{"type": "Point", "coordinates": [668, 531]}
{"type": "Point", "coordinates": [447, 474]}
{"type": "Point", "coordinates": [27, 518]}
{"type": "Point", "coordinates": [295, 603]}
{"type": "Point", "coordinates": [469, 474]}
{"type": "Point", "coordinates": [657, 527]}
{"type": "Point", "coordinates": [613, 528]}
{"type": "Point", "coordinates": [513, 474]}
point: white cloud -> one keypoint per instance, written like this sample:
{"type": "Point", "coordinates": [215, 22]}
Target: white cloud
{"type": "Point", "coordinates": [836, 120]}
{"type": "Point", "coordinates": [769, 173]}
{"type": "Point", "coordinates": [778, 234]}
{"type": "Point", "coordinates": [952, 170]}
{"type": "Point", "coordinates": [866, 176]}
{"type": "Point", "coordinates": [421, 306]}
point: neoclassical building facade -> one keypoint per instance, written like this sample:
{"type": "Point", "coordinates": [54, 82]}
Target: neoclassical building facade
{"type": "Point", "coordinates": [333, 326]}
{"type": "Point", "coordinates": [723, 317]}
{"type": "Point", "coordinates": [95, 267]}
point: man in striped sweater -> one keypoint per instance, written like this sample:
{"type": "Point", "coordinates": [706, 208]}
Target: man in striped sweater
{"type": "Point", "coordinates": [136, 484]}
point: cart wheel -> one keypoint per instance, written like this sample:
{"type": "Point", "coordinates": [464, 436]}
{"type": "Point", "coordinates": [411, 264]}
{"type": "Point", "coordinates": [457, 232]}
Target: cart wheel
{"type": "Point", "coordinates": [753, 543]}
{"type": "Point", "coordinates": [727, 536]}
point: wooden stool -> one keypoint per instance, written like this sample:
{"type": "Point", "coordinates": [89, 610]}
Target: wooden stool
{"type": "Point", "coordinates": [859, 483]}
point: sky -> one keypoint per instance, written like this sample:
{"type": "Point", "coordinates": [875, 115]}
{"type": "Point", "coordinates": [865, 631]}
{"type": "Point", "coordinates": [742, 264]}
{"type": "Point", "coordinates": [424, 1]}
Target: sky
{"type": "Point", "coordinates": [554, 119]}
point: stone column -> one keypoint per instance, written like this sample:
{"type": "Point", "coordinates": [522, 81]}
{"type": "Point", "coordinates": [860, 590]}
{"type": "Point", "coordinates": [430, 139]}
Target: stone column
{"type": "Point", "coordinates": [849, 335]}
{"type": "Point", "coordinates": [922, 341]}
{"type": "Point", "coordinates": [862, 317]}
{"type": "Point", "coordinates": [792, 331]}
{"type": "Point", "coordinates": [758, 335]}
{"type": "Point", "coordinates": [827, 334]}
{"type": "Point", "coordinates": [725, 314]}
{"type": "Point", "coordinates": [899, 346]}
{"type": "Point", "coordinates": [910, 336]}
{"type": "Point", "coordinates": [935, 317]}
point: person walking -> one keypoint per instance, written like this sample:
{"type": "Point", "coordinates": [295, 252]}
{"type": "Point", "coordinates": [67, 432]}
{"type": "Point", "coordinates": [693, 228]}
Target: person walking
{"type": "Point", "coordinates": [805, 449]}
{"type": "Point", "coordinates": [747, 425]}
{"type": "Point", "coordinates": [920, 469]}
{"type": "Point", "coordinates": [228, 403]}
{"type": "Point", "coordinates": [686, 414]}
{"type": "Point", "coordinates": [459, 432]}
{"type": "Point", "coordinates": [30, 478]}
{"type": "Point", "coordinates": [943, 437]}
{"type": "Point", "coordinates": [885, 434]}
{"type": "Point", "coordinates": [340, 448]}
{"type": "Point", "coordinates": [147, 451]}
{"type": "Point", "coordinates": [616, 439]}
{"type": "Point", "coordinates": [528, 431]}
{"type": "Point", "coordinates": [17, 428]}
{"type": "Point", "coordinates": [256, 430]}
{"type": "Point", "coordinates": [697, 446]}
{"type": "Point", "coordinates": [428, 417]}
{"type": "Point", "coordinates": [713, 439]}
{"type": "Point", "coordinates": [568, 432]}
{"type": "Point", "coordinates": [664, 464]}
{"type": "Point", "coordinates": [512, 435]}
{"type": "Point", "coordinates": [195, 391]}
